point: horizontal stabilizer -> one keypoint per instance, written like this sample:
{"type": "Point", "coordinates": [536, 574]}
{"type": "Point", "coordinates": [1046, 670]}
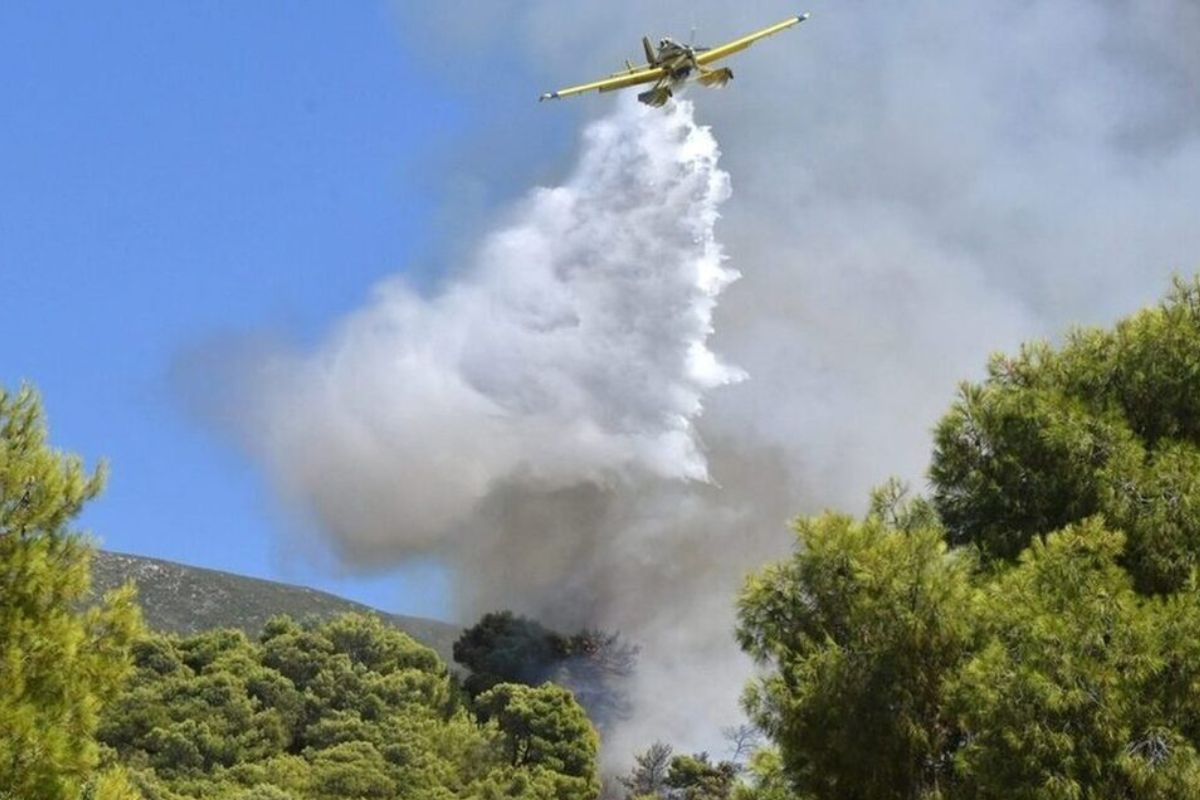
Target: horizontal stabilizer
{"type": "Point", "coordinates": [656, 97]}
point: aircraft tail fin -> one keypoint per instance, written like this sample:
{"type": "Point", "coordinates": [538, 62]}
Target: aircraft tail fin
{"type": "Point", "coordinates": [651, 56]}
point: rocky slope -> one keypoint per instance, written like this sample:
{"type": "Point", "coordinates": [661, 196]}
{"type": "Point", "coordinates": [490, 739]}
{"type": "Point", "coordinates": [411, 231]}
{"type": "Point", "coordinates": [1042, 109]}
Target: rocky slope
{"type": "Point", "coordinates": [180, 599]}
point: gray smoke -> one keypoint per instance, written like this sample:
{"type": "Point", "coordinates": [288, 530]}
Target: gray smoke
{"type": "Point", "coordinates": [916, 185]}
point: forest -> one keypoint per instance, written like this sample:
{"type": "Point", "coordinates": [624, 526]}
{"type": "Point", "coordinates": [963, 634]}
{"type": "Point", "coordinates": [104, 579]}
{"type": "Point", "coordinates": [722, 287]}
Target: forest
{"type": "Point", "coordinates": [1026, 626]}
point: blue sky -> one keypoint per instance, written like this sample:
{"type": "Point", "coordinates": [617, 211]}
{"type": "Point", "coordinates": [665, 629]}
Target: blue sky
{"type": "Point", "coordinates": [173, 173]}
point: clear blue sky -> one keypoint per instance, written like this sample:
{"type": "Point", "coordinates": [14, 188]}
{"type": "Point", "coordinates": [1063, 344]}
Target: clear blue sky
{"type": "Point", "coordinates": [175, 172]}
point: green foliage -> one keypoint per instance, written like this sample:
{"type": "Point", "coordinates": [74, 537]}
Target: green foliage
{"type": "Point", "coordinates": [59, 662]}
{"type": "Point", "coordinates": [1052, 678]}
{"type": "Point", "coordinates": [648, 777]}
{"type": "Point", "coordinates": [1069, 666]}
{"type": "Point", "coordinates": [544, 727]}
{"type": "Point", "coordinates": [111, 784]}
{"type": "Point", "coordinates": [323, 711]}
{"type": "Point", "coordinates": [1066, 697]}
{"type": "Point", "coordinates": [1108, 424]}
{"type": "Point", "coordinates": [529, 784]}
{"type": "Point", "coordinates": [657, 774]}
{"type": "Point", "coordinates": [765, 778]}
{"type": "Point", "coordinates": [505, 648]}
{"type": "Point", "coordinates": [859, 630]}
{"type": "Point", "coordinates": [351, 769]}
{"type": "Point", "coordinates": [695, 777]}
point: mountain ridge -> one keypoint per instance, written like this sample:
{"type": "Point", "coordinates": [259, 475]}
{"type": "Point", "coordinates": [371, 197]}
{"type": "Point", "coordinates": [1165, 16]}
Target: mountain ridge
{"type": "Point", "coordinates": [182, 599]}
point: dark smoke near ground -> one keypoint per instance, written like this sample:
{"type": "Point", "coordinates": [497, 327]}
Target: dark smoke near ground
{"type": "Point", "coordinates": [595, 665]}
{"type": "Point", "coordinates": [914, 186]}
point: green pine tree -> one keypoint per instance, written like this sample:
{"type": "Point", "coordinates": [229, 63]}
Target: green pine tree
{"type": "Point", "coordinates": [60, 661]}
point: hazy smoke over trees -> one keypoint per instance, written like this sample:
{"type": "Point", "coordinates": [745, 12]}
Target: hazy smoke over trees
{"type": "Point", "coordinates": [533, 424]}
{"type": "Point", "coordinates": [915, 186]}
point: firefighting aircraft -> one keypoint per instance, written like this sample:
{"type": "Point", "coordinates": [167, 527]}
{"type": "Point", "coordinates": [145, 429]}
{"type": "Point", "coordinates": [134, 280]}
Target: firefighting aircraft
{"type": "Point", "coordinates": [672, 64]}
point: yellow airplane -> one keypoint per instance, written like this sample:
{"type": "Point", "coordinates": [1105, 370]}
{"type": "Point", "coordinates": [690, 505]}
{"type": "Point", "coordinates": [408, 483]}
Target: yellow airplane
{"type": "Point", "coordinates": [672, 64]}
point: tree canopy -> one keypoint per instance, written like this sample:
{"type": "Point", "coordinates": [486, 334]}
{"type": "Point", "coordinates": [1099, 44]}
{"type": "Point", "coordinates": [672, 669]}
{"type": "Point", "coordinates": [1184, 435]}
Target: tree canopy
{"type": "Point", "coordinates": [506, 648]}
{"type": "Point", "coordinates": [862, 626]}
{"type": "Point", "coordinates": [92, 707]}
{"type": "Point", "coordinates": [61, 658]}
{"type": "Point", "coordinates": [1107, 424]}
{"type": "Point", "coordinates": [660, 773]}
{"type": "Point", "coordinates": [349, 708]}
{"type": "Point", "coordinates": [1031, 630]}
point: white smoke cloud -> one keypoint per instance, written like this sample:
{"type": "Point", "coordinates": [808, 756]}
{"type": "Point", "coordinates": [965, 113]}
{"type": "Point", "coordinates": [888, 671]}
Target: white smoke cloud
{"type": "Point", "coordinates": [572, 349]}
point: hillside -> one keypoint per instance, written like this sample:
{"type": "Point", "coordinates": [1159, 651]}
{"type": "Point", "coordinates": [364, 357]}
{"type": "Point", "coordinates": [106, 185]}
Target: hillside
{"type": "Point", "coordinates": [176, 598]}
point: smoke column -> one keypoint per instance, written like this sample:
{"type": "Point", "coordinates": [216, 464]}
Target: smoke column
{"type": "Point", "coordinates": [533, 424]}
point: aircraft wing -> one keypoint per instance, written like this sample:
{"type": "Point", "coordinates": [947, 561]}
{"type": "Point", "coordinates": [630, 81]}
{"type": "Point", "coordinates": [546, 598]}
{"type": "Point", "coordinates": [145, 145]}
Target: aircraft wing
{"type": "Point", "coordinates": [716, 53]}
{"type": "Point", "coordinates": [618, 81]}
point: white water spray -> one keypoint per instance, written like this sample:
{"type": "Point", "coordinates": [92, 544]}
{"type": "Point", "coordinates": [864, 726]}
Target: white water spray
{"type": "Point", "coordinates": [571, 349]}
